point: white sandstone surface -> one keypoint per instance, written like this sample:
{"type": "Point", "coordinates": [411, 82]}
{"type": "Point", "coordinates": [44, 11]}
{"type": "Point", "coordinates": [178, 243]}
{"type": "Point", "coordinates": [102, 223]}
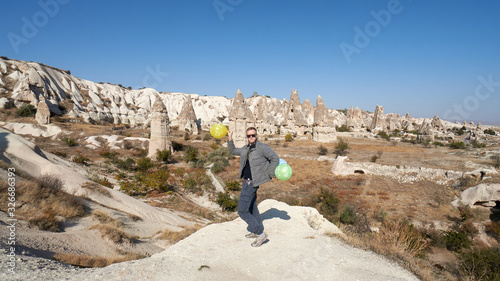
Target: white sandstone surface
{"type": "Point", "coordinates": [297, 249]}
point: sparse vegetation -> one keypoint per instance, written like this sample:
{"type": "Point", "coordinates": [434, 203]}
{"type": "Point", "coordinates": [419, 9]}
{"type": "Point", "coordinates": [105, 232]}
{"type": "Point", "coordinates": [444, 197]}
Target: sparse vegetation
{"type": "Point", "coordinates": [456, 240]}
{"type": "Point", "coordinates": [457, 145]}
{"type": "Point", "coordinates": [342, 128]}
{"type": "Point", "coordinates": [44, 202]}
{"type": "Point", "coordinates": [191, 154]}
{"type": "Point", "coordinates": [26, 110]}
{"type": "Point", "coordinates": [400, 237]}
{"type": "Point", "coordinates": [233, 185]}
{"type": "Point", "coordinates": [322, 150]}
{"type": "Point", "coordinates": [384, 135]}
{"type": "Point", "coordinates": [348, 215]}
{"type": "Point", "coordinates": [481, 264]}
{"type": "Point", "coordinates": [113, 233]}
{"type": "Point", "coordinates": [175, 236]}
{"type": "Point", "coordinates": [227, 203]}
{"type": "Point", "coordinates": [288, 137]}
{"type": "Point", "coordinates": [490, 132]}
{"type": "Point", "coordinates": [496, 160]}
{"type": "Point", "coordinates": [89, 261]}
{"type": "Point", "coordinates": [144, 164]}
{"type": "Point", "coordinates": [437, 143]}
{"type": "Point", "coordinates": [70, 142]}
{"type": "Point", "coordinates": [341, 147]}
{"type": "Point", "coordinates": [164, 155]}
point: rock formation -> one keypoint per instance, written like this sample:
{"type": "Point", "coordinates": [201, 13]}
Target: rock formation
{"type": "Point", "coordinates": [405, 174]}
{"type": "Point", "coordinates": [42, 113]}
{"type": "Point", "coordinates": [295, 116]}
{"type": "Point", "coordinates": [426, 131]}
{"type": "Point", "coordinates": [160, 129]}
{"type": "Point", "coordinates": [323, 125]}
{"type": "Point", "coordinates": [28, 82]}
{"type": "Point", "coordinates": [240, 118]}
{"type": "Point", "coordinates": [486, 194]}
{"type": "Point", "coordinates": [187, 117]}
{"type": "Point", "coordinates": [378, 122]}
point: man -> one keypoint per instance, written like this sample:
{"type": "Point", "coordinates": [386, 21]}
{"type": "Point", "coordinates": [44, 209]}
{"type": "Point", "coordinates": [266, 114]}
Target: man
{"type": "Point", "coordinates": [257, 164]}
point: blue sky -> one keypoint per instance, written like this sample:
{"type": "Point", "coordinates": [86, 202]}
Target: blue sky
{"type": "Point", "coordinates": [418, 56]}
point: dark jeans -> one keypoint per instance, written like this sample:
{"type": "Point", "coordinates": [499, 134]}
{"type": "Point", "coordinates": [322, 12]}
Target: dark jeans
{"type": "Point", "coordinates": [247, 207]}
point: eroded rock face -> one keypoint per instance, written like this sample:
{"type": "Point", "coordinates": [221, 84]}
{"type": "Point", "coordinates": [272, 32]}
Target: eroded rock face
{"type": "Point", "coordinates": [160, 129]}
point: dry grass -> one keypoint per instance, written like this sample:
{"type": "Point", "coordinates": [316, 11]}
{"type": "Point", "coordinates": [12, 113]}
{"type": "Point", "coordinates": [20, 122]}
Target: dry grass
{"type": "Point", "coordinates": [399, 238]}
{"type": "Point", "coordinates": [96, 187]}
{"type": "Point", "coordinates": [89, 261]}
{"type": "Point", "coordinates": [104, 218]}
{"type": "Point", "coordinates": [175, 236]}
{"type": "Point", "coordinates": [43, 198]}
{"type": "Point", "coordinates": [113, 233]}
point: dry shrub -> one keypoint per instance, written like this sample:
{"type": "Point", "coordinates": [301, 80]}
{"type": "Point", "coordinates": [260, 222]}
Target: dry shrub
{"type": "Point", "coordinates": [112, 233]}
{"type": "Point", "coordinates": [96, 187]}
{"type": "Point", "coordinates": [42, 199]}
{"type": "Point", "coordinates": [175, 236]}
{"type": "Point", "coordinates": [399, 238]}
{"type": "Point", "coordinates": [104, 218]}
{"type": "Point", "coordinates": [88, 261]}
{"type": "Point", "coordinates": [46, 222]}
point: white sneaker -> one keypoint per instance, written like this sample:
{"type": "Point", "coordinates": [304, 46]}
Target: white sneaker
{"type": "Point", "coordinates": [251, 235]}
{"type": "Point", "coordinates": [260, 240]}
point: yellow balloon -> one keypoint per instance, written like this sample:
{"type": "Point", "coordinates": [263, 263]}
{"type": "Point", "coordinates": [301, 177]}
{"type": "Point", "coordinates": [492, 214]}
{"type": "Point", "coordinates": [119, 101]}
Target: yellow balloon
{"type": "Point", "coordinates": [218, 130]}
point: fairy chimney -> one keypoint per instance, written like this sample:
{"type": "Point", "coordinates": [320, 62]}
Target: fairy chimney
{"type": "Point", "coordinates": [295, 111]}
{"type": "Point", "coordinates": [42, 113]}
{"type": "Point", "coordinates": [378, 124]}
{"type": "Point", "coordinates": [160, 129]}
{"type": "Point", "coordinates": [240, 118]}
{"type": "Point", "coordinates": [187, 117]}
{"type": "Point", "coordinates": [323, 129]}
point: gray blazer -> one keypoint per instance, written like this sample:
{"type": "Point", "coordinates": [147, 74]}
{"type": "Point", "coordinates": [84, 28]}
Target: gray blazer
{"type": "Point", "coordinates": [263, 161]}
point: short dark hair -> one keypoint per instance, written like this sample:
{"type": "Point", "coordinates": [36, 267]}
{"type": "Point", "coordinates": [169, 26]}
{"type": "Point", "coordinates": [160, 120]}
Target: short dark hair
{"type": "Point", "coordinates": [251, 128]}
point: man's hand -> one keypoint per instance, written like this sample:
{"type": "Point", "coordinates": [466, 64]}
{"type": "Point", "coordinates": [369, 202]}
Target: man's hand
{"type": "Point", "coordinates": [230, 135]}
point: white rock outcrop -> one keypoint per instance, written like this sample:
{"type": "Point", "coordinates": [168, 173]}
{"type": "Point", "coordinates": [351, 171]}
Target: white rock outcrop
{"type": "Point", "coordinates": [404, 174]}
{"type": "Point", "coordinates": [299, 247]}
{"type": "Point", "coordinates": [485, 194]}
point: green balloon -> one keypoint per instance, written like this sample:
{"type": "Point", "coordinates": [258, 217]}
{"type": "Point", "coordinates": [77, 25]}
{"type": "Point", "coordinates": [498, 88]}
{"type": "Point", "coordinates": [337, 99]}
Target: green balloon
{"type": "Point", "coordinates": [283, 172]}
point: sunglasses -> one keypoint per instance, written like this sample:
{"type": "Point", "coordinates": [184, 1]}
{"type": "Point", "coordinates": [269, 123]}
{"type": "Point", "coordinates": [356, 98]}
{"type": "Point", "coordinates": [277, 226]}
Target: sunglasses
{"type": "Point", "coordinates": [251, 136]}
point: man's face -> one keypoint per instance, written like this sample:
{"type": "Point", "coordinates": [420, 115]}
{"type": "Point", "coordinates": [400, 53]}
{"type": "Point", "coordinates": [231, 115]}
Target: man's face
{"type": "Point", "coordinates": [251, 136]}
